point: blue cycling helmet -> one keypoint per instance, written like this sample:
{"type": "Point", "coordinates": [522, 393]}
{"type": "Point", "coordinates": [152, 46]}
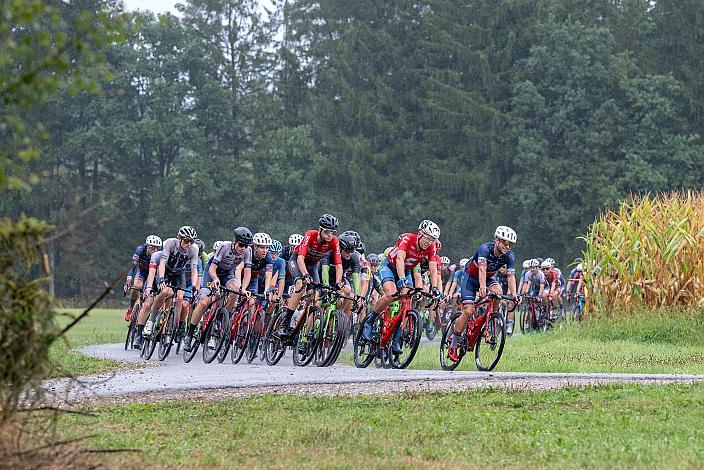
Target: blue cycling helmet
{"type": "Point", "coordinates": [276, 247]}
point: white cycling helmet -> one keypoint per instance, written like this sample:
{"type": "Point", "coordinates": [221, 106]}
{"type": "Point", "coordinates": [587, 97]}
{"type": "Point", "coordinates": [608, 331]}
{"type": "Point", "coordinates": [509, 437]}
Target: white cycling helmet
{"type": "Point", "coordinates": [153, 240]}
{"type": "Point", "coordinates": [429, 228]}
{"type": "Point", "coordinates": [526, 264]}
{"type": "Point", "coordinates": [463, 262]}
{"type": "Point", "coordinates": [551, 261]}
{"type": "Point", "coordinates": [217, 245]}
{"type": "Point", "coordinates": [579, 267]}
{"type": "Point", "coordinates": [545, 264]}
{"type": "Point", "coordinates": [445, 260]}
{"type": "Point", "coordinates": [187, 232]}
{"type": "Point", "coordinates": [295, 239]}
{"type": "Point", "coordinates": [533, 263]}
{"type": "Point", "coordinates": [505, 233]}
{"type": "Point", "coordinates": [262, 239]}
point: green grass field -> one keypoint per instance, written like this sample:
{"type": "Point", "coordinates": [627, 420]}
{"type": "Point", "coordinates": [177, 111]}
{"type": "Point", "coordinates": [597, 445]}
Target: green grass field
{"type": "Point", "coordinates": [659, 343]}
{"type": "Point", "coordinates": [614, 426]}
{"type": "Point", "coordinates": [101, 326]}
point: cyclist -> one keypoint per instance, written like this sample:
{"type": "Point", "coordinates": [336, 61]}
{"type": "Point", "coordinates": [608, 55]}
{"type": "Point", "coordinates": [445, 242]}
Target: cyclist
{"type": "Point", "coordinates": [479, 279]}
{"type": "Point", "coordinates": [455, 290]}
{"type": "Point", "coordinates": [396, 268]}
{"type": "Point", "coordinates": [351, 266]}
{"type": "Point", "coordinates": [140, 269]}
{"type": "Point", "coordinates": [293, 241]}
{"type": "Point", "coordinates": [149, 292]}
{"type": "Point", "coordinates": [304, 264]}
{"type": "Point", "coordinates": [262, 261]}
{"type": "Point", "coordinates": [221, 270]}
{"type": "Point", "coordinates": [552, 284]}
{"type": "Point", "coordinates": [278, 271]}
{"type": "Point", "coordinates": [177, 255]}
{"type": "Point", "coordinates": [575, 286]}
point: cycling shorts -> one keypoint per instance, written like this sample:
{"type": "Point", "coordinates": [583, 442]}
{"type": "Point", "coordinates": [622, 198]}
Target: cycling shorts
{"type": "Point", "coordinates": [313, 269]}
{"type": "Point", "coordinates": [470, 286]}
{"type": "Point", "coordinates": [388, 273]}
{"type": "Point", "coordinates": [227, 279]}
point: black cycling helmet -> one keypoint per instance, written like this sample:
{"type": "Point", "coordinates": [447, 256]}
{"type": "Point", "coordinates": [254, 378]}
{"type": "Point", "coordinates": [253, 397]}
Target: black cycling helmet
{"type": "Point", "coordinates": [201, 246]}
{"type": "Point", "coordinates": [243, 234]}
{"type": "Point", "coordinates": [374, 260]}
{"type": "Point", "coordinates": [329, 222]}
{"type": "Point", "coordinates": [347, 242]}
{"type": "Point", "coordinates": [355, 235]}
{"type": "Point", "coordinates": [361, 248]}
{"type": "Point", "coordinates": [577, 260]}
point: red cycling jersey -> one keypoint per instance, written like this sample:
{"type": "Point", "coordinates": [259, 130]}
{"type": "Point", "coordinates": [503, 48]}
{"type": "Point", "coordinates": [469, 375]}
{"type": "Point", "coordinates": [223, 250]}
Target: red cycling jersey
{"type": "Point", "coordinates": [314, 251]}
{"type": "Point", "coordinates": [550, 277]}
{"type": "Point", "coordinates": [414, 255]}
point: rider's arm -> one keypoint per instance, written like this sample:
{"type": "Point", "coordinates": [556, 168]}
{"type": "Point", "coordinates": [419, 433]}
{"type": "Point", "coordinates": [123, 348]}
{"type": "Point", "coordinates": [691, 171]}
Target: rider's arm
{"type": "Point", "coordinates": [325, 274]}
{"type": "Point", "coordinates": [267, 281]}
{"type": "Point", "coordinates": [482, 274]}
{"type": "Point", "coordinates": [246, 278]}
{"type": "Point", "coordinates": [150, 278]}
{"type": "Point", "coordinates": [400, 264]}
{"type": "Point", "coordinates": [512, 284]}
{"type": "Point", "coordinates": [338, 273]}
{"type": "Point", "coordinates": [435, 280]}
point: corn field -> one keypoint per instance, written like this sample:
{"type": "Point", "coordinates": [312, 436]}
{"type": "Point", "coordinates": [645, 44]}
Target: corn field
{"type": "Point", "coordinates": [647, 254]}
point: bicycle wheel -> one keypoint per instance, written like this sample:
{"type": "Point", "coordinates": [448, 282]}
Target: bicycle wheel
{"type": "Point", "coordinates": [274, 348]}
{"type": "Point", "coordinates": [445, 362]}
{"type": "Point", "coordinates": [167, 334]}
{"type": "Point", "coordinates": [305, 345]}
{"type": "Point", "coordinates": [195, 343]}
{"type": "Point", "coordinates": [364, 351]}
{"type": "Point", "coordinates": [154, 337]}
{"type": "Point", "coordinates": [490, 343]}
{"type": "Point", "coordinates": [131, 330]}
{"type": "Point", "coordinates": [255, 334]}
{"type": "Point", "coordinates": [239, 338]}
{"type": "Point", "coordinates": [215, 334]}
{"type": "Point", "coordinates": [331, 336]}
{"type": "Point", "coordinates": [410, 339]}
{"type": "Point", "coordinates": [222, 354]}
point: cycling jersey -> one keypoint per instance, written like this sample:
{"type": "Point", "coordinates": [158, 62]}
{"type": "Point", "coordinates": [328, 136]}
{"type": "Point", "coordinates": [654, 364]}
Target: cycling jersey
{"type": "Point", "coordinates": [414, 255]}
{"type": "Point", "coordinates": [278, 270]}
{"type": "Point", "coordinates": [227, 260]}
{"type": "Point", "coordinates": [313, 250]}
{"type": "Point", "coordinates": [503, 281]}
{"type": "Point", "coordinates": [140, 262]}
{"type": "Point", "coordinates": [177, 260]}
{"type": "Point", "coordinates": [493, 262]}
{"type": "Point", "coordinates": [259, 265]}
{"type": "Point", "coordinates": [535, 279]}
{"type": "Point", "coordinates": [551, 276]}
{"type": "Point", "coordinates": [349, 266]}
{"type": "Point", "coordinates": [366, 269]}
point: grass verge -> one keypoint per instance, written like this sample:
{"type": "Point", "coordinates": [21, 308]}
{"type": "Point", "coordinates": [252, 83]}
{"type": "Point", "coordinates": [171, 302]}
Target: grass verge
{"type": "Point", "coordinates": [614, 426]}
{"type": "Point", "coordinates": [101, 326]}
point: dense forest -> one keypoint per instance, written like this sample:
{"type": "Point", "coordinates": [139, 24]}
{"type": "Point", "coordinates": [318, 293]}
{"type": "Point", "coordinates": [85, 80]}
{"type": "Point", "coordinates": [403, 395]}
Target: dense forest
{"type": "Point", "coordinates": [536, 114]}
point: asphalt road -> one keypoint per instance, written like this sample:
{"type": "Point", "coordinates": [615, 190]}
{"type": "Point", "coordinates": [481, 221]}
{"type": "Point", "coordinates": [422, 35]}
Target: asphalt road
{"type": "Point", "coordinates": [172, 379]}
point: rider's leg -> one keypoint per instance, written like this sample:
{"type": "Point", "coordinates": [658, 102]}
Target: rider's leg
{"type": "Point", "coordinates": [389, 288]}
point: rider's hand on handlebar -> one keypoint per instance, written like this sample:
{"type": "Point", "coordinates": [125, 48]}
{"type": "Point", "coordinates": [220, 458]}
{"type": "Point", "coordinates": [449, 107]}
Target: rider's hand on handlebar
{"type": "Point", "coordinates": [435, 292]}
{"type": "Point", "coordinates": [161, 283]}
{"type": "Point", "coordinates": [482, 291]}
{"type": "Point", "coordinates": [214, 284]}
{"type": "Point", "coordinates": [307, 278]}
{"type": "Point", "coordinates": [402, 283]}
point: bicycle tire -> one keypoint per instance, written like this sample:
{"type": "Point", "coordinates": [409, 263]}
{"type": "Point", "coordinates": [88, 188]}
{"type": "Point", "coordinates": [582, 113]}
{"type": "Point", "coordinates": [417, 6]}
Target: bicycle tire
{"type": "Point", "coordinates": [131, 331]}
{"type": "Point", "coordinates": [364, 351]}
{"type": "Point", "coordinates": [331, 336]}
{"type": "Point", "coordinates": [310, 336]}
{"type": "Point", "coordinates": [195, 343]}
{"type": "Point", "coordinates": [410, 339]}
{"type": "Point", "coordinates": [239, 339]}
{"type": "Point", "coordinates": [445, 362]}
{"type": "Point", "coordinates": [167, 337]}
{"type": "Point", "coordinates": [217, 328]}
{"type": "Point", "coordinates": [154, 337]}
{"type": "Point", "coordinates": [254, 337]}
{"type": "Point", "coordinates": [274, 348]}
{"type": "Point", "coordinates": [495, 328]}
{"type": "Point", "coordinates": [226, 344]}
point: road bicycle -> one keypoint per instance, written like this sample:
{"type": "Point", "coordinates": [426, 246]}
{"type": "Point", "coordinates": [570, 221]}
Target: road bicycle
{"type": "Point", "coordinates": [165, 327]}
{"type": "Point", "coordinates": [485, 333]}
{"type": "Point", "coordinates": [334, 329]}
{"type": "Point", "coordinates": [533, 315]}
{"type": "Point", "coordinates": [132, 325]}
{"type": "Point", "coordinates": [384, 330]}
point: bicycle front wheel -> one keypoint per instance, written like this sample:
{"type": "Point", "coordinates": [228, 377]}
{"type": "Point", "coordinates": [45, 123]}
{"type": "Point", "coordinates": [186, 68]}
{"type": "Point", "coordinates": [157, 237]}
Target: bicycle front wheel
{"type": "Point", "coordinates": [215, 334]}
{"type": "Point", "coordinates": [490, 343]}
{"type": "Point", "coordinates": [445, 362]}
{"type": "Point", "coordinates": [167, 334]}
{"type": "Point", "coordinates": [409, 341]}
{"type": "Point", "coordinates": [239, 337]}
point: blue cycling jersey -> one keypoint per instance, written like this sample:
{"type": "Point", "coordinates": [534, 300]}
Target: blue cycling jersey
{"type": "Point", "coordinates": [278, 271]}
{"type": "Point", "coordinates": [140, 261]}
{"type": "Point", "coordinates": [493, 262]}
